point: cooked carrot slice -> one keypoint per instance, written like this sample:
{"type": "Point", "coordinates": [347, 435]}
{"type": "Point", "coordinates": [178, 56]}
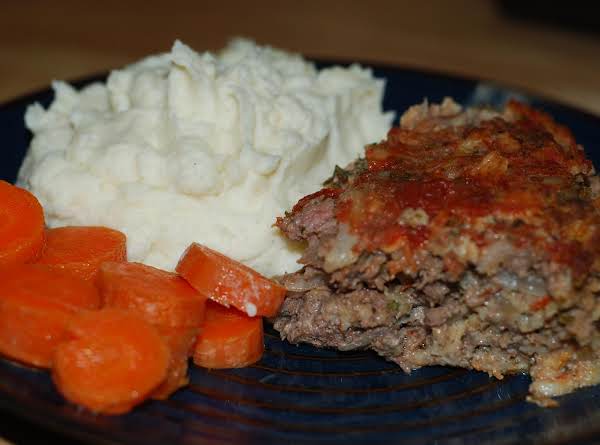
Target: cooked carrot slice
{"type": "Point", "coordinates": [180, 342]}
{"type": "Point", "coordinates": [228, 339]}
{"type": "Point", "coordinates": [81, 250]}
{"type": "Point", "coordinates": [112, 361]}
{"type": "Point", "coordinates": [229, 282]}
{"type": "Point", "coordinates": [159, 297]}
{"type": "Point", "coordinates": [36, 304]}
{"type": "Point", "coordinates": [31, 331]}
{"type": "Point", "coordinates": [164, 299]}
{"type": "Point", "coordinates": [21, 225]}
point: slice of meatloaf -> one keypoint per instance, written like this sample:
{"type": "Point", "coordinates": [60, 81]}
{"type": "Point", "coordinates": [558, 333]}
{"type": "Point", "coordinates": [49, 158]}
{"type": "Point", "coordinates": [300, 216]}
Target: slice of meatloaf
{"type": "Point", "coordinates": [468, 238]}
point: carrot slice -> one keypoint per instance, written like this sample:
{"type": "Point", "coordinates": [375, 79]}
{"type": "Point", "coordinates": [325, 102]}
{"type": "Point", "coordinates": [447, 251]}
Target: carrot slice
{"type": "Point", "coordinates": [36, 304]}
{"type": "Point", "coordinates": [30, 332]}
{"type": "Point", "coordinates": [112, 361]}
{"type": "Point", "coordinates": [229, 339]}
{"type": "Point", "coordinates": [229, 282]}
{"type": "Point", "coordinates": [159, 297]}
{"type": "Point", "coordinates": [21, 225]}
{"type": "Point", "coordinates": [163, 299]}
{"type": "Point", "coordinates": [180, 342]}
{"type": "Point", "coordinates": [81, 250]}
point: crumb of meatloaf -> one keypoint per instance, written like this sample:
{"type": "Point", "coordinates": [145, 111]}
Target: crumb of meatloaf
{"type": "Point", "coordinates": [468, 238]}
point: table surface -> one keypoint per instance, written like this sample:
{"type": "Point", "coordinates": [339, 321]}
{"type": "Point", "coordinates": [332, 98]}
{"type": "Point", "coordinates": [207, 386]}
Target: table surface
{"type": "Point", "coordinates": [67, 39]}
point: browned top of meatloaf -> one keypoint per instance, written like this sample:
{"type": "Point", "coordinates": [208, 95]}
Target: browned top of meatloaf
{"type": "Point", "coordinates": [442, 178]}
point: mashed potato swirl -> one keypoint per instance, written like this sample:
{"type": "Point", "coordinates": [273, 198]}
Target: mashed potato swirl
{"type": "Point", "coordinates": [188, 146]}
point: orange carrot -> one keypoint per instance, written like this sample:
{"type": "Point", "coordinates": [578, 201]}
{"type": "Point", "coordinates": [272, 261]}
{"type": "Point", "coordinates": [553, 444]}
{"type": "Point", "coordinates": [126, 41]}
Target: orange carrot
{"type": "Point", "coordinates": [228, 339]}
{"type": "Point", "coordinates": [229, 282]}
{"type": "Point", "coordinates": [163, 299]}
{"type": "Point", "coordinates": [36, 304]}
{"type": "Point", "coordinates": [81, 250]}
{"type": "Point", "coordinates": [159, 297]}
{"type": "Point", "coordinates": [21, 225]}
{"type": "Point", "coordinates": [31, 330]}
{"type": "Point", "coordinates": [180, 342]}
{"type": "Point", "coordinates": [112, 361]}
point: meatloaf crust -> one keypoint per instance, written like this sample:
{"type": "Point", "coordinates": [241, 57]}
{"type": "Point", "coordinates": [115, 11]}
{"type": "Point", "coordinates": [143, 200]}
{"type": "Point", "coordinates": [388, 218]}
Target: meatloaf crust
{"type": "Point", "coordinates": [468, 238]}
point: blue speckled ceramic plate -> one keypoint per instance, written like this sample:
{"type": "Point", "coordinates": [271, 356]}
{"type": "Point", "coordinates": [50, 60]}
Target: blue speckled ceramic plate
{"type": "Point", "coordinates": [298, 394]}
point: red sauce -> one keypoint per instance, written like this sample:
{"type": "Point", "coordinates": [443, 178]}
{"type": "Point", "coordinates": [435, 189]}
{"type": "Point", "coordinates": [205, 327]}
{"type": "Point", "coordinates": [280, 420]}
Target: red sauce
{"type": "Point", "coordinates": [540, 304]}
{"type": "Point", "coordinates": [511, 172]}
{"type": "Point", "coordinates": [323, 193]}
{"type": "Point", "coordinates": [376, 206]}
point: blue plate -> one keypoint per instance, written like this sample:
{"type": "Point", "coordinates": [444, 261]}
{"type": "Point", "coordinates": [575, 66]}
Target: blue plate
{"type": "Point", "coordinates": [298, 394]}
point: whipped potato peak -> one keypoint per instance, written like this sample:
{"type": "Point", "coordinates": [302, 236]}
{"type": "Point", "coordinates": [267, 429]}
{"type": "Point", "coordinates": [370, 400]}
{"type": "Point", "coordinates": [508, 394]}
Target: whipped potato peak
{"type": "Point", "coordinates": [198, 147]}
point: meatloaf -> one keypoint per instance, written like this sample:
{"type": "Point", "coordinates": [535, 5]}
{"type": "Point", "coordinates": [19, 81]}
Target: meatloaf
{"type": "Point", "coordinates": [467, 238]}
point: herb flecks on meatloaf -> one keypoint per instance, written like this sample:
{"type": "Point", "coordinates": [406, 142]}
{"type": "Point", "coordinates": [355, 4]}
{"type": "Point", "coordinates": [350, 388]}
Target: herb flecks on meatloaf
{"type": "Point", "coordinates": [468, 238]}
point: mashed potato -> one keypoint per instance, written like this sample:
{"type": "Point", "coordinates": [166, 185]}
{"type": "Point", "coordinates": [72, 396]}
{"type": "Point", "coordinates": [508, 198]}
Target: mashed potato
{"type": "Point", "coordinates": [184, 147]}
